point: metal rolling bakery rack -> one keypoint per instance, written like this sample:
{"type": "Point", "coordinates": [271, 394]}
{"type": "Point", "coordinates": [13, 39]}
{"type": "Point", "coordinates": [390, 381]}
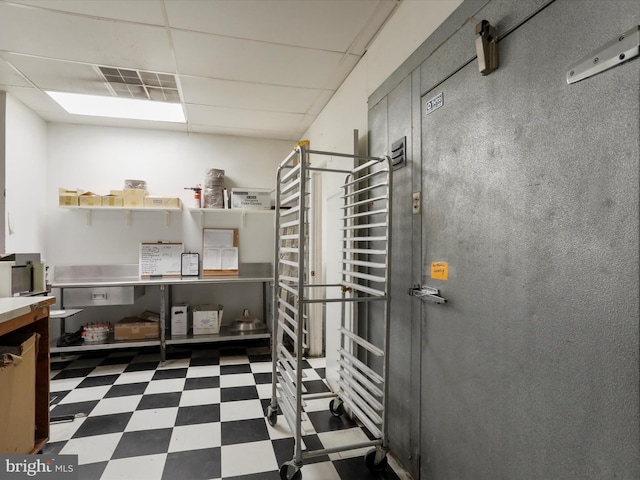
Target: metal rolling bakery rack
{"type": "Point", "coordinates": [366, 243]}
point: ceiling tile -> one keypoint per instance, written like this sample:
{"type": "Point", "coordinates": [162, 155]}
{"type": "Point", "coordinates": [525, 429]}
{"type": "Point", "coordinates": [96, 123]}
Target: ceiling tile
{"type": "Point", "coordinates": [255, 96]}
{"type": "Point", "coordinates": [50, 34]}
{"type": "Point", "coordinates": [231, 117]}
{"type": "Point", "coordinates": [247, 60]}
{"type": "Point", "coordinates": [9, 77]}
{"type": "Point", "coordinates": [147, 11]}
{"type": "Point", "coordinates": [59, 75]}
{"type": "Point", "coordinates": [331, 25]}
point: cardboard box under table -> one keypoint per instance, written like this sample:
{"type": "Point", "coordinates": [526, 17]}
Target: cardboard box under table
{"type": "Point", "coordinates": [17, 394]}
{"type": "Point", "coordinates": [206, 320]}
{"type": "Point", "coordinates": [136, 328]}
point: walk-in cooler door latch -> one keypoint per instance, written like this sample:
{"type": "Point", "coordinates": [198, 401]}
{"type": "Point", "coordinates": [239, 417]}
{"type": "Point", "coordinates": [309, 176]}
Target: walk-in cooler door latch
{"type": "Point", "coordinates": [619, 50]}
{"type": "Point", "coordinates": [486, 47]}
{"type": "Point", "coordinates": [426, 293]}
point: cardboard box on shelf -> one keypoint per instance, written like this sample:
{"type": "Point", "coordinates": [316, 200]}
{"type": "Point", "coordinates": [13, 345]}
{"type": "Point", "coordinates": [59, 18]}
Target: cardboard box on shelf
{"type": "Point", "coordinates": [137, 328]}
{"type": "Point", "coordinates": [68, 198]}
{"type": "Point", "coordinates": [161, 202]}
{"type": "Point", "coordinates": [256, 198]}
{"type": "Point", "coordinates": [206, 319]}
{"type": "Point", "coordinates": [112, 200]}
{"type": "Point", "coordinates": [133, 197]}
{"type": "Point", "coordinates": [89, 199]}
{"type": "Point", "coordinates": [18, 393]}
{"type": "Point", "coordinates": [179, 319]}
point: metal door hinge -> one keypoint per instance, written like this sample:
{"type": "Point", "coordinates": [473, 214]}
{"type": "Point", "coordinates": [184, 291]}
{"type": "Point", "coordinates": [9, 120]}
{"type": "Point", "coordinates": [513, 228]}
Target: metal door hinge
{"type": "Point", "coordinates": [487, 47]}
{"type": "Point", "coordinates": [619, 50]}
{"type": "Point", "coordinates": [426, 293]}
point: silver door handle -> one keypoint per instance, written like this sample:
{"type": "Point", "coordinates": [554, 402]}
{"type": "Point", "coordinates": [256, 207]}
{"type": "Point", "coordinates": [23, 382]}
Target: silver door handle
{"type": "Point", "coordinates": [426, 293]}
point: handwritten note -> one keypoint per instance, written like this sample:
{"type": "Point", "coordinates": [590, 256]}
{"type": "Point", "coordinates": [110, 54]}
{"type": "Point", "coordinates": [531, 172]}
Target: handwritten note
{"type": "Point", "coordinates": [157, 259]}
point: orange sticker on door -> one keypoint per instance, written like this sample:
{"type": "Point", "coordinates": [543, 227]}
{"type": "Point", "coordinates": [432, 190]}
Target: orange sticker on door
{"type": "Point", "coordinates": [440, 270]}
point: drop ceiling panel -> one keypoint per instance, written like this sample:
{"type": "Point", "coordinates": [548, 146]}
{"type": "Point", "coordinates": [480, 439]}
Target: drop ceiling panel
{"type": "Point", "coordinates": [9, 77]}
{"type": "Point", "coordinates": [59, 75]}
{"type": "Point", "coordinates": [225, 93]}
{"type": "Point", "coordinates": [247, 60]}
{"type": "Point", "coordinates": [317, 24]}
{"type": "Point", "coordinates": [147, 11]}
{"type": "Point", "coordinates": [236, 118]}
{"type": "Point", "coordinates": [244, 132]}
{"type": "Point", "coordinates": [51, 34]}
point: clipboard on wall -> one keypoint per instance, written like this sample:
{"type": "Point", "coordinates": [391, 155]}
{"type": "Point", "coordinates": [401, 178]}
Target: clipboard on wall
{"type": "Point", "coordinates": [160, 259]}
{"type": "Point", "coordinates": [219, 251]}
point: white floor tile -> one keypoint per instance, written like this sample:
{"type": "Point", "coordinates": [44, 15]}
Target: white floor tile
{"type": "Point", "coordinates": [85, 394]}
{"type": "Point", "coordinates": [341, 438]}
{"type": "Point", "coordinates": [64, 384]}
{"type": "Point", "coordinates": [248, 458]}
{"type": "Point", "coordinates": [262, 367]}
{"type": "Point", "coordinates": [140, 468]}
{"type": "Point", "coordinates": [265, 390]}
{"type": "Point", "coordinates": [195, 437]}
{"type": "Point", "coordinates": [234, 360]}
{"type": "Point", "coordinates": [310, 374]}
{"type": "Point", "coordinates": [98, 448]}
{"type": "Point", "coordinates": [280, 429]}
{"type": "Point", "coordinates": [237, 380]}
{"type": "Point", "coordinates": [240, 410]}
{"type": "Point", "coordinates": [165, 386]}
{"type": "Point", "coordinates": [108, 406]}
{"type": "Point", "coordinates": [63, 431]}
{"type": "Point", "coordinates": [203, 371]}
{"type": "Point", "coordinates": [152, 419]}
{"type": "Point", "coordinates": [175, 363]}
{"type": "Point", "coordinates": [200, 396]}
{"type": "Point", "coordinates": [108, 370]}
{"type": "Point", "coordinates": [143, 376]}
{"type": "Point", "coordinates": [317, 362]}
{"type": "Point", "coordinates": [320, 471]}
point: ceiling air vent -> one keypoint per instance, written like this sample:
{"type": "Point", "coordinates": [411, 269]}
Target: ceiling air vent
{"type": "Point", "coordinates": [129, 83]}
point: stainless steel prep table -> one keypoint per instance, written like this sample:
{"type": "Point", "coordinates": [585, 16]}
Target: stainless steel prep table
{"type": "Point", "coordinates": [260, 273]}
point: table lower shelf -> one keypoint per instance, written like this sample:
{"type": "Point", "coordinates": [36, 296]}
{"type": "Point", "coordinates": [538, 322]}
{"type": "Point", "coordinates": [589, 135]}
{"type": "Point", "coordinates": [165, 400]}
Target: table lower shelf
{"type": "Point", "coordinates": [225, 335]}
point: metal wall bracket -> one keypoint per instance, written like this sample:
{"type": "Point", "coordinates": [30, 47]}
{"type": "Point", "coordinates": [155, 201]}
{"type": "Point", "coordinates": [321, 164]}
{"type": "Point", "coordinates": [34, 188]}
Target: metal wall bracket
{"type": "Point", "coordinates": [617, 51]}
{"type": "Point", "coordinates": [426, 293]}
{"type": "Point", "coordinates": [487, 47]}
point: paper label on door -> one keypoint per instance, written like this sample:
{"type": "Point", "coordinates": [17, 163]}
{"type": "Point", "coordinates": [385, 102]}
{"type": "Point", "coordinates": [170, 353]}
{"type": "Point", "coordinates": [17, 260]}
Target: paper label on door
{"type": "Point", "coordinates": [440, 270]}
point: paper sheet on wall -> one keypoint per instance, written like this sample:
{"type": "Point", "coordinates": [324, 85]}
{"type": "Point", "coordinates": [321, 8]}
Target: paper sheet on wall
{"type": "Point", "coordinates": [218, 238]}
{"type": "Point", "coordinates": [215, 258]}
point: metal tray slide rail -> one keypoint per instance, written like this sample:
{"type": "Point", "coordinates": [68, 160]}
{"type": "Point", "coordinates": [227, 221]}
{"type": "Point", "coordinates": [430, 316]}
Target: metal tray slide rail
{"type": "Point", "coordinates": [366, 227]}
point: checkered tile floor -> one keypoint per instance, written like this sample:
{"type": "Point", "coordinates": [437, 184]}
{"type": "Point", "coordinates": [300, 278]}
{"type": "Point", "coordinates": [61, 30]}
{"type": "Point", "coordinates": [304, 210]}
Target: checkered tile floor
{"type": "Point", "coordinates": [200, 415]}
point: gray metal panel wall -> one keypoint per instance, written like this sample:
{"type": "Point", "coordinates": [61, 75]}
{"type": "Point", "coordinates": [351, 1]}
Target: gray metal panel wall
{"type": "Point", "coordinates": [544, 372]}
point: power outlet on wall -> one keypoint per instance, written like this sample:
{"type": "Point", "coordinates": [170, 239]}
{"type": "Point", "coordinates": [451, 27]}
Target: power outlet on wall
{"type": "Point", "coordinates": [415, 207]}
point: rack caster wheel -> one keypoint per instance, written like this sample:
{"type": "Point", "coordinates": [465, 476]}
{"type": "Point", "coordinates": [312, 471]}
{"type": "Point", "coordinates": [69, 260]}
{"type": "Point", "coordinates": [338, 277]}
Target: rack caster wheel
{"type": "Point", "coordinates": [336, 408]}
{"type": "Point", "coordinates": [370, 460]}
{"type": "Point", "coordinates": [289, 471]}
{"type": "Point", "coordinates": [272, 415]}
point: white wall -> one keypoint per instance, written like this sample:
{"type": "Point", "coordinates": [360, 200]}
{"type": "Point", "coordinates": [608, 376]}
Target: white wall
{"type": "Point", "coordinates": [411, 24]}
{"type": "Point", "coordinates": [100, 159]}
{"type": "Point", "coordinates": [25, 178]}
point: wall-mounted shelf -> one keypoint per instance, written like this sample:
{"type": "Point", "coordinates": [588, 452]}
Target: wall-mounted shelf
{"type": "Point", "coordinates": [239, 214]}
{"type": "Point", "coordinates": [127, 210]}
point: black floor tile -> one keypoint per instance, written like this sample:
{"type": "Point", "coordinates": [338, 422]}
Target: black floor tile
{"type": "Point", "coordinates": [243, 431]}
{"type": "Point", "coordinates": [266, 357]}
{"type": "Point", "coordinates": [73, 408]}
{"type": "Point", "coordinates": [170, 373]}
{"type": "Point", "coordinates": [262, 378]}
{"type": "Point", "coordinates": [198, 414]}
{"type": "Point", "coordinates": [59, 365]}
{"type": "Point", "coordinates": [119, 360]}
{"type": "Point", "coordinates": [55, 397]}
{"type": "Point", "coordinates": [234, 369]}
{"type": "Point", "coordinates": [103, 424]}
{"type": "Point", "coordinates": [233, 394]}
{"type": "Point", "coordinates": [284, 449]}
{"type": "Point", "coordinates": [232, 352]}
{"type": "Point", "coordinates": [202, 382]}
{"type": "Point", "coordinates": [126, 389]}
{"type": "Point", "coordinates": [141, 366]}
{"type": "Point", "coordinates": [98, 380]}
{"type": "Point", "coordinates": [73, 373]}
{"type": "Point", "coordinates": [324, 421]}
{"type": "Point", "coordinates": [53, 448]}
{"type": "Point", "coordinates": [144, 442]}
{"type": "Point", "coordinates": [354, 467]}
{"type": "Point", "coordinates": [274, 475]}
{"type": "Point", "coordinates": [91, 471]}
{"type": "Point", "coordinates": [159, 400]}
{"type": "Point", "coordinates": [193, 465]}
{"type": "Point", "coordinates": [316, 386]}
{"type": "Point", "coordinates": [204, 361]}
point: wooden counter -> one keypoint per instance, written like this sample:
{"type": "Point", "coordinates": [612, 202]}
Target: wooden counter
{"type": "Point", "coordinates": [31, 315]}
